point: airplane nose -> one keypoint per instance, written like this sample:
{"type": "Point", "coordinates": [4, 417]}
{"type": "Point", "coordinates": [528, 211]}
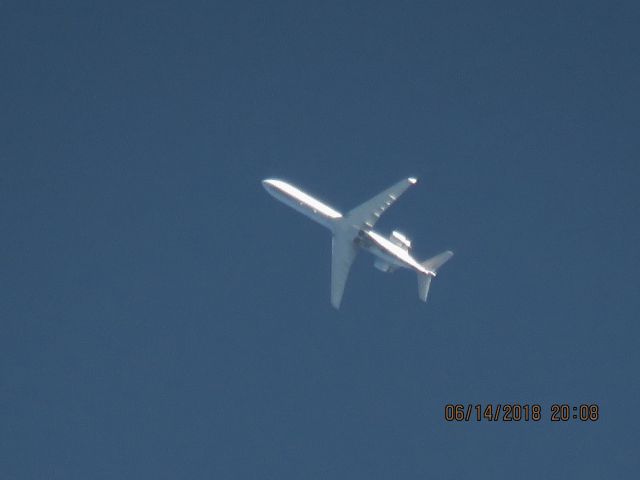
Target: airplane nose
{"type": "Point", "coordinates": [271, 184]}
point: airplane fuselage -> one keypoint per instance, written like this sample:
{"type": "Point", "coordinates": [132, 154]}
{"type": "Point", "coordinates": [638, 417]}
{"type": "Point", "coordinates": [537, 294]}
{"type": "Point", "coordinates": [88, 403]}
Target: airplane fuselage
{"type": "Point", "coordinates": [387, 251]}
{"type": "Point", "coordinates": [366, 239]}
{"type": "Point", "coordinates": [302, 202]}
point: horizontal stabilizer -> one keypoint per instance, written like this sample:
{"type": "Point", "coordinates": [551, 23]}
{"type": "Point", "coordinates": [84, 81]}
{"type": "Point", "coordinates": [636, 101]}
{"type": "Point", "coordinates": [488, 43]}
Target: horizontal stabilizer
{"type": "Point", "coordinates": [424, 282]}
{"type": "Point", "coordinates": [432, 265]}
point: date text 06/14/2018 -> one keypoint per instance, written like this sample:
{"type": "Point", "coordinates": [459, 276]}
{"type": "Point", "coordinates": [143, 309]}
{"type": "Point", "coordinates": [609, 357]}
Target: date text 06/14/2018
{"type": "Point", "coordinates": [516, 412]}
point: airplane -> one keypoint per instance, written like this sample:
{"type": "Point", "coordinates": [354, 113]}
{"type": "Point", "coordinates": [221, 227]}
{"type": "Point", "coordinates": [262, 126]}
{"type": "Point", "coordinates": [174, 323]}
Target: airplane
{"type": "Point", "coordinates": [354, 231]}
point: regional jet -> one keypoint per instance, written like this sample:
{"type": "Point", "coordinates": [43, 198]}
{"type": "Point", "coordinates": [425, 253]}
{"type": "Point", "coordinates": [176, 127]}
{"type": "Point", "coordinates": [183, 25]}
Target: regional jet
{"type": "Point", "coordinates": [354, 231]}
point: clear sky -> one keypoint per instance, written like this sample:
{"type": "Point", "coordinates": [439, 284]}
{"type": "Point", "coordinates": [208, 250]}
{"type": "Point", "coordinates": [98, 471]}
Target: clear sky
{"type": "Point", "coordinates": [162, 317]}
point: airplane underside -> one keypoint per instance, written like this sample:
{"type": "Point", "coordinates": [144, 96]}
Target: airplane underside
{"type": "Point", "coordinates": [354, 231]}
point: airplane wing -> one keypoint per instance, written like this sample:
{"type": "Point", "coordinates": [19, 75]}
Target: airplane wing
{"type": "Point", "coordinates": [367, 214]}
{"type": "Point", "coordinates": [343, 253]}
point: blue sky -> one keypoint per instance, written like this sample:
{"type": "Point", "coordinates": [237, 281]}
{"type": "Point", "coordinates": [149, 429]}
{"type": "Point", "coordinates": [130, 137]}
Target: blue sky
{"type": "Point", "coordinates": [163, 317]}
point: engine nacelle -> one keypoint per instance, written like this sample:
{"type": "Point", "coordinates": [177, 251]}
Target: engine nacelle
{"type": "Point", "coordinates": [400, 239]}
{"type": "Point", "coordinates": [383, 266]}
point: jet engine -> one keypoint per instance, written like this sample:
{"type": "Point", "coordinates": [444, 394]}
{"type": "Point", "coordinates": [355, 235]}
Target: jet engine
{"type": "Point", "coordinates": [383, 266]}
{"type": "Point", "coordinates": [400, 239]}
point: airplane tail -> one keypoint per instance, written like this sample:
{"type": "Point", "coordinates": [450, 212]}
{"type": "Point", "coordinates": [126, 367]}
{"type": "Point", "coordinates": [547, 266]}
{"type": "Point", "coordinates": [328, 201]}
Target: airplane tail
{"type": "Point", "coordinates": [432, 265]}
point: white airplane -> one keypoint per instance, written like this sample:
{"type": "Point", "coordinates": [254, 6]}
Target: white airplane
{"type": "Point", "coordinates": [355, 230]}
